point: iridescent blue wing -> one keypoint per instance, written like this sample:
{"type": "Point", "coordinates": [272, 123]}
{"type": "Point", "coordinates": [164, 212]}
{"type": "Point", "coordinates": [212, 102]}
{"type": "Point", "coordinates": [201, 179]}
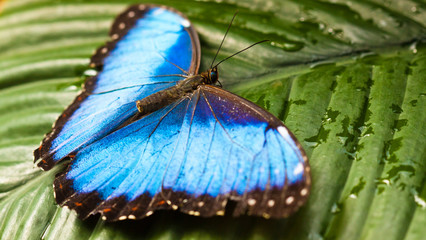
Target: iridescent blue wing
{"type": "Point", "coordinates": [231, 149]}
{"type": "Point", "coordinates": [148, 42]}
{"type": "Point", "coordinates": [194, 155]}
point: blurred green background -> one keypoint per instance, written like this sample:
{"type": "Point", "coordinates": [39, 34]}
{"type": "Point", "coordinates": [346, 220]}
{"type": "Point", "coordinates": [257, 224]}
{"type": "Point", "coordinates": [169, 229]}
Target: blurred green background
{"type": "Point", "coordinates": [348, 78]}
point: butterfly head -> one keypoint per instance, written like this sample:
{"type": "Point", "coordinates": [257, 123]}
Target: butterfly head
{"type": "Point", "coordinates": [213, 75]}
{"type": "Point", "coordinates": [210, 76]}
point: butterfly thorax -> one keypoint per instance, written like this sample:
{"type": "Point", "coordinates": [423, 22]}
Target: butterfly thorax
{"type": "Point", "coordinates": [170, 95]}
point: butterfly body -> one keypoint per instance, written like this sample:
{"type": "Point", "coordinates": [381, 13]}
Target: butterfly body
{"type": "Point", "coordinates": [187, 145]}
{"type": "Point", "coordinates": [182, 88]}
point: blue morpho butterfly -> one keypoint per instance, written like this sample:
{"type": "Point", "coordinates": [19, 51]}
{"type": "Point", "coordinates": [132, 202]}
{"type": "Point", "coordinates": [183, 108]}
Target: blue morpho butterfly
{"type": "Point", "coordinates": [186, 145]}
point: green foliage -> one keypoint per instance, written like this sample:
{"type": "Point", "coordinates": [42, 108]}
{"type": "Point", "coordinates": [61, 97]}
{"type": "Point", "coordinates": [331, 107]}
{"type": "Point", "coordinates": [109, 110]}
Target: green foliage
{"type": "Point", "coordinates": [347, 77]}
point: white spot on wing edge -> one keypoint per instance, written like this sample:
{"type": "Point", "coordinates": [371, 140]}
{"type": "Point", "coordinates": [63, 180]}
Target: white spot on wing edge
{"type": "Point", "coordinates": [251, 202]}
{"type": "Point", "coordinates": [289, 200]}
{"type": "Point", "coordinates": [39, 160]}
{"type": "Point", "coordinates": [283, 131]}
{"type": "Point", "coordinates": [131, 14]}
{"type": "Point", "coordinates": [90, 72]}
{"type": "Point", "coordinates": [298, 170]}
{"type": "Point", "coordinates": [185, 23]}
{"type": "Point", "coordinates": [286, 135]}
{"type": "Point", "coordinates": [157, 11]}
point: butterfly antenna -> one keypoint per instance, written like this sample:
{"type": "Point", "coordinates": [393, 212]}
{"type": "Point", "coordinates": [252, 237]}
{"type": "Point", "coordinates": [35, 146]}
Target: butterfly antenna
{"type": "Point", "coordinates": [223, 39]}
{"type": "Point", "coordinates": [254, 44]}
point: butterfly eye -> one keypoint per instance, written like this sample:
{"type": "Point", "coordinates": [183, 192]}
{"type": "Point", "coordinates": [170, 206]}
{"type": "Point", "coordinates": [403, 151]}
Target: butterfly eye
{"type": "Point", "coordinates": [213, 75]}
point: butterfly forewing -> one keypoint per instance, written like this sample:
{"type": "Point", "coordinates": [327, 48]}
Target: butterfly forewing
{"type": "Point", "coordinates": [132, 66]}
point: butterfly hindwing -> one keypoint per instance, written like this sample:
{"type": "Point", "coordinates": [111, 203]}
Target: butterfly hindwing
{"type": "Point", "coordinates": [147, 42]}
{"type": "Point", "coordinates": [231, 149]}
{"type": "Point", "coordinates": [194, 155]}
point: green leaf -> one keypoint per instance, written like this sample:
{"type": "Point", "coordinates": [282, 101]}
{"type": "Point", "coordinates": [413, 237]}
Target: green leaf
{"type": "Point", "coordinates": [346, 77]}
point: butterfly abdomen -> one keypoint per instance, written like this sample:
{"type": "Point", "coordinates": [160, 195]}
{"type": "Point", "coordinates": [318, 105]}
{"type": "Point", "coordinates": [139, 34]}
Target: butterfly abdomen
{"type": "Point", "coordinates": [169, 95]}
{"type": "Point", "coordinates": [158, 100]}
